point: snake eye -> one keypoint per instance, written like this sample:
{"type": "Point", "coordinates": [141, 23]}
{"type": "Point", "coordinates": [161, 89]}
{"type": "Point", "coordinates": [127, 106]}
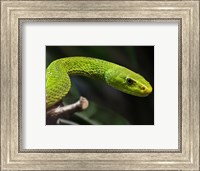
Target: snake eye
{"type": "Point", "coordinates": [130, 81]}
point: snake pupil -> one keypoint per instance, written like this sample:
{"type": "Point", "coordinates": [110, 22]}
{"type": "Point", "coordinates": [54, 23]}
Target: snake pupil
{"type": "Point", "coordinates": [130, 81]}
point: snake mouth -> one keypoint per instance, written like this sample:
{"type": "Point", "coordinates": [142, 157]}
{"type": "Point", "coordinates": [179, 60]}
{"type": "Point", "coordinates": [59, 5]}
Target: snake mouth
{"type": "Point", "coordinates": [148, 90]}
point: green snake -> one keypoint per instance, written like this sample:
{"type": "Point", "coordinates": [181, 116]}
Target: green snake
{"type": "Point", "coordinates": [58, 82]}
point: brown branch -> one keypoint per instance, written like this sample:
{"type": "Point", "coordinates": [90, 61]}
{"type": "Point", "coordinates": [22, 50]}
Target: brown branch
{"type": "Point", "coordinates": [60, 111]}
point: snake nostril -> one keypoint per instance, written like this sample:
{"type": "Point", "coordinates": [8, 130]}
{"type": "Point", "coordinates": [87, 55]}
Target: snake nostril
{"type": "Point", "coordinates": [143, 88]}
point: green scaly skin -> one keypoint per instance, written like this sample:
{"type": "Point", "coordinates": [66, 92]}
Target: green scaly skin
{"type": "Point", "coordinates": [58, 82]}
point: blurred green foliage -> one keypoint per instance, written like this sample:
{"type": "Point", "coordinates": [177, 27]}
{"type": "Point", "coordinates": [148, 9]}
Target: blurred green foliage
{"type": "Point", "coordinates": [109, 106]}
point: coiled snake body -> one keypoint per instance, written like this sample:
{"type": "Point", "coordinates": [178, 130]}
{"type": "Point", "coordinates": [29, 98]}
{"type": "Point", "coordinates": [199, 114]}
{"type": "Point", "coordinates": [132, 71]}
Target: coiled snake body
{"type": "Point", "coordinates": [58, 82]}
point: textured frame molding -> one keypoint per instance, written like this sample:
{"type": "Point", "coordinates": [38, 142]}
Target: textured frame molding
{"type": "Point", "coordinates": [12, 158]}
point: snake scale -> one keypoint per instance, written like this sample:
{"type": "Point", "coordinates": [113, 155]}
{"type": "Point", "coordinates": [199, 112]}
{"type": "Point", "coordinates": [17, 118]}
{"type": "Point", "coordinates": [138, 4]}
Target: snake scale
{"type": "Point", "coordinates": [58, 82]}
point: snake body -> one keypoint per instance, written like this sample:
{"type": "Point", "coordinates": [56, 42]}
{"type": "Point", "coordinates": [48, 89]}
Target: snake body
{"type": "Point", "coordinates": [58, 82]}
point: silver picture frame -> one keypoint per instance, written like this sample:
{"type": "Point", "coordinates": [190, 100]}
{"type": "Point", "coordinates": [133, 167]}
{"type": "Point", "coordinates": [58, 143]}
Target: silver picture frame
{"type": "Point", "coordinates": [14, 13]}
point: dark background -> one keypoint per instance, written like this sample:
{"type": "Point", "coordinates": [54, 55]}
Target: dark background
{"type": "Point", "coordinates": [107, 105]}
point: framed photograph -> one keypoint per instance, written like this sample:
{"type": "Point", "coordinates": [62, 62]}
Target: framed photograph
{"type": "Point", "coordinates": [100, 85]}
{"type": "Point", "coordinates": [104, 105]}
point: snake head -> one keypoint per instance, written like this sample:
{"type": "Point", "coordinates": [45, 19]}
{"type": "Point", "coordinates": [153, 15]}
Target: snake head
{"type": "Point", "coordinates": [127, 81]}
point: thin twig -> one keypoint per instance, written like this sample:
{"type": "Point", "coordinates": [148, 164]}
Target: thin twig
{"type": "Point", "coordinates": [65, 122]}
